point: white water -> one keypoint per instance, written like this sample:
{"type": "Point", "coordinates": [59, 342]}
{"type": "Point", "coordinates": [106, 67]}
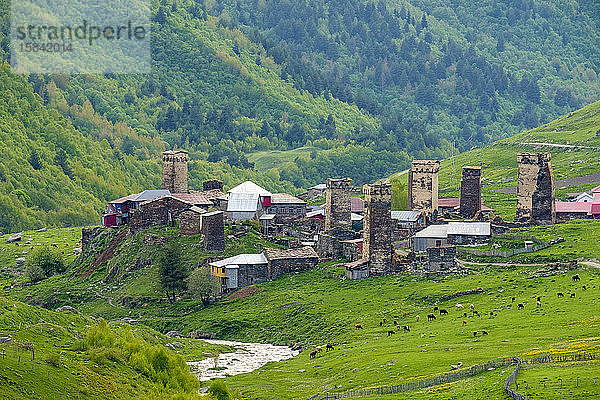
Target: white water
{"type": "Point", "coordinates": [247, 358]}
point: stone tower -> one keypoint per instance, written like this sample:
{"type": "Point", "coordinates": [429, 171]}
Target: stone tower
{"type": "Point", "coordinates": [535, 190]}
{"type": "Point", "coordinates": [423, 187]}
{"type": "Point", "coordinates": [337, 204]}
{"type": "Point", "coordinates": [470, 192]}
{"type": "Point", "coordinates": [175, 171]}
{"type": "Point", "coordinates": [377, 228]}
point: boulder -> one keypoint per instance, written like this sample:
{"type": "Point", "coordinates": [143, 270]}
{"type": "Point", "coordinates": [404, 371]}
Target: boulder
{"type": "Point", "coordinates": [174, 334]}
{"type": "Point", "coordinates": [14, 238]}
{"type": "Point", "coordinates": [66, 308]}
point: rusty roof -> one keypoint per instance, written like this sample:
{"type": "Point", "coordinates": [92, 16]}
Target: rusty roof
{"type": "Point", "coordinates": [285, 198]}
{"type": "Point", "coordinates": [194, 198]}
{"type": "Point", "coordinates": [357, 205]}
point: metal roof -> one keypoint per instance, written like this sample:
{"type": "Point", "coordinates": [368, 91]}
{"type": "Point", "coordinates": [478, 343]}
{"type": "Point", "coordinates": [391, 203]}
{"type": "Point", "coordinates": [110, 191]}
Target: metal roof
{"type": "Point", "coordinates": [241, 259]}
{"type": "Point", "coordinates": [242, 202]}
{"type": "Point", "coordinates": [356, 217]}
{"type": "Point", "coordinates": [315, 213]}
{"type": "Point", "coordinates": [267, 217]}
{"type": "Point", "coordinates": [469, 228]}
{"type": "Point", "coordinates": [195, 198]}
{"type": "Point", "coordinates": [410, 216]}
{"type": "Point", "coordinates": [150, 195]}
{"type": "Point", "coordinates": [433, 231]}
{"type": "Point", "coordinates": [320, 186]}
{"type": "Point", "coordinates": [573, 207]}
{"type": "Point", "coordinates": [285, 198]}
{"type": "Point", "coordinates": [357, 205]}
{"type": "Point", "coordinates": [210, 214]}
{"type": "Point", "coordinates": [250, 187]}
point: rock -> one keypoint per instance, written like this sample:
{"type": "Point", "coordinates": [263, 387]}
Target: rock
{"type": "Point", "coordinates": [177, 345]}
{"type": "Point", "coordinates": [42, 230]}
{"type": "Point", "coordinates": [67, 308]}
{"type": "Point", "coordinates": [174, 334]}
{"type": "Point", "coordinates": [77, 251]}
{"type": "Point", "coordinates": [301, 370]}
{"type": "Point", "coordinates": [19, 261]}
{"type": "Point", "coordinates": [355, 370]}
{"type": "Point", "coordinates": [14, 238]}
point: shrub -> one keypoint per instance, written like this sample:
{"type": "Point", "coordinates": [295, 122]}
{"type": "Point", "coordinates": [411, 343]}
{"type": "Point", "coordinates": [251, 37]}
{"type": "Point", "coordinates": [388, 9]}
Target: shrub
{"type": "Point", "coordinates": [44, 262]}
{"type": "Point", "coordinates": [100, 335]}
{"type": "Point", "coordinates": [220, 391]}
{"type": "Point", "coordinates": [53, 359]}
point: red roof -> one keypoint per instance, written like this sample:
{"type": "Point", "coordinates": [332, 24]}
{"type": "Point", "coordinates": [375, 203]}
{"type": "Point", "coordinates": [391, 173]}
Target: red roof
{"type": "Point", "coordinates": [123, 199]}
{"type": "Point", "coordinates": [357, 205]}
{"type": "Point", "coordinates": [596, 189]}
{"type": "Point", "coordinates": [194, 198]}
{"type": "Point", "coordinates": [572, 207]}
{"type": "Point", "coordinates": [448, 202]}
{"type": "Point", "coordinates": [596, 204]}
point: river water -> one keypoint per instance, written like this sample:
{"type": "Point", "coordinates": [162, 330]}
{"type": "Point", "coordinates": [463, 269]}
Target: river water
{"type": "Point", "coordinates": [247, 358]}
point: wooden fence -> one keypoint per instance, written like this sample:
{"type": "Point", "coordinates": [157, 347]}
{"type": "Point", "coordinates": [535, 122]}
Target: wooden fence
{"type": "Point", "coordinates": [455, 376]}
{"type": "Point", "coordinates": [539, 245]}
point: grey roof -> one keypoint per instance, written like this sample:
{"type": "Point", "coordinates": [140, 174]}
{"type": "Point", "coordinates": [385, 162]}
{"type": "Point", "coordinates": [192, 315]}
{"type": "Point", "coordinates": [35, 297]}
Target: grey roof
{"type": "Point", "coordinates": [242, 202]}
{"type": "Point", "coordinates": [250, 187]}
{"type": "Point", "coordinates": [320, 186]}
{"type": "Point", "coordinates": [356, 217]}
{"type": "Point", "coordinates": [285, 198]}
{"type": "Point", "coordinates": [197, 209]}
{"type": "Point", "coordinates": [210, 214]}
{"type": "Point", "coordinates": [315, 213]}
{"type": "Point", "coordinates": [410, 216]}
{"type": "Point", "coordinates": [241, 259]}
{"type": "Point", "coordinates": [150, 195]}
{"type": "Point", "coordinates": [455, 228]}
{"type": "Point", "coordinates": [266, 217]}
{"type": "Point", "coordinates": [469, 228]}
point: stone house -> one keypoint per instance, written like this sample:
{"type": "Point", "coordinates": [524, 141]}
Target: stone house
{"type": "Point", "coordinates": [213, 232]}
{"type": "Point", "coordinates": [293, 260]}
{"type": "Point", "coordinates": [190, 221]}
{"type": "Point", "coordinates": [286, 205]}
{"type": "Point", "coordinates": [441, 258]}
{"type": "Point", "coordinates": [160, 211]}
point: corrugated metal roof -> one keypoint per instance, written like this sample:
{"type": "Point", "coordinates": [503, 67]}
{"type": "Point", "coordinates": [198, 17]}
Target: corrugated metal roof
{"type": "Point", "coordinates": [356, 217]}
{"type": "Point", "coordinates": [250, 187]}
{"type": "Point", "coordinates": [267, 217]}
{"type": "Point", "coordinates": [573, 207]}
{"type": "Point", "coordinates": [285, 198]}
{"type": "Point", "coordinates": [410, 216]}
{"type": "Point", "coordinates": [242, 202]}
{"type": "Point", "coordinates": [241, 259]}
{"type": "Point", "coordinates": [210, 214]}
{"type": "Point", "coordinates": [320, 186]}
{"type": "Point", "coordinates": [195, 198]}
{"type": "Point", "coordinates": [433, 231]}
{"type": "Point", "coordinates": [469, 228]}
{"type": "Point", "coordinates": [315, 213]}
{"type": "Point", "coordinates": [357, 205]}
{"type": "Point", "coordinates": [448, 202]}
{"type": "Point", "coordinates": [150, 195]}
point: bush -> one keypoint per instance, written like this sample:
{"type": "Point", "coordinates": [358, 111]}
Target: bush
{"type": "Point", "coordinates": [100, 335]}
{"type": "Point", "coordinates": [44, 262]}
{"type": "Point", "coordinates": [53, 359]}
{"type": "Point", "coordinates": [220, 391]}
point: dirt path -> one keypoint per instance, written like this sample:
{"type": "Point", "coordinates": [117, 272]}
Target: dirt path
{"type": "Point", "coordinates": [561, 183]}
{"type": "Point", "coordinates": [563, 146]}
{"type": "Point", "coordinates": [462, 263]}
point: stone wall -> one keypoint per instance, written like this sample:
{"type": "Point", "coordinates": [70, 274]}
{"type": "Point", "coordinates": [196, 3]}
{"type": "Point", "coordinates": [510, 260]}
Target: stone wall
{"type": "Point", "coordinates": [213, 230]}
{"type": "Point", "coordinates": [190, 222]}
{"type": "Point", "coordinates": [470, 192]}
{"type": "Point", "coordinates": [175, 171]}
{"type": "Point", "coordinates": [378, 230]}
{"type": "Point", "coordinates": [213, 184]}
{"type": "Point", "coordinates": [161, 211]}
{"type": "Point", "coordinates": [423, 187]}
{"type": "Point", "coordinates": [252, 275]}
{"type": "Point", "coordinates": [441, 258]}
{"type": "Point", "coordinates": [329, 244]}
{"type": "Point", "coordinates": [286, 261]}
{"type": "Point", "coordinates": [337, 204]}
{"type": "Point", "coordinates": [535, 190]}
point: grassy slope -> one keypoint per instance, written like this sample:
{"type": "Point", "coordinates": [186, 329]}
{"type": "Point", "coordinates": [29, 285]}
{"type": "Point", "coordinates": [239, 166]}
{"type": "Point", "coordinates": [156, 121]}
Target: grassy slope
{"type": "Point", "coordinates": [500, 163]}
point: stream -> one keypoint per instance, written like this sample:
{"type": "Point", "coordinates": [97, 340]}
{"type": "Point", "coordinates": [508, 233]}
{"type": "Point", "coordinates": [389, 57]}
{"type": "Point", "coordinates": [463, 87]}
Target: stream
{"type": "Point", "coordinates": [247, 358]}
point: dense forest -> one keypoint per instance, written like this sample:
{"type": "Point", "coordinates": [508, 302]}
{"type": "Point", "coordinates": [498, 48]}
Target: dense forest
{"type": "Point", "coordinates": [365, 86]}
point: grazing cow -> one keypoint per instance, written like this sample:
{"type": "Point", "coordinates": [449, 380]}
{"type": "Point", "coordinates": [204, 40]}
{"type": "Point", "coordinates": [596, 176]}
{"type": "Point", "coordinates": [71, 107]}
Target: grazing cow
{"type": "Point", "coordinates": [313, 354]}
{"type": "Point", "coordinates": [358, 326]}
{"type": "Point", "coordinates": [474, 333]}
{"type": "Point", "coordinates": [513, 299]}
{"type": "Point", "coordinates": [475, 312]}
{"type": "Point", "coordinates": [584, 288]}
{"type": "Point", "coordinates": [491, 313]}
{"type": "Point", "coordinates": [391, 333]}
{"type": "Point", "coordinates": [459, 306]}
{"type": "Point", "coordinates": [329, 347]}
{"type": "Point", "coordinates": [576, 277]}
{"type": "Point", "coordinates": [472, 306]}
{"type": "Point", "coordinates": [395, 323]}
{"type": "Point", "coordinates": [539, 298]}
{"type": "Point", "coordinates": [417, 318]}
{"type": "Point", "coordinates": [442, 311]}
{"type": "Point", "coordinates": [484, 333]}
{"type": "Point", "coordinates": [465, 314]}
{"type": "Point", "coordinates": [520, 305]}
{"type": "Point", "coordinates": [430, 317]}
{"type": "Point", "coordinates": [380, 323]}
{"type": "Point", "coordinates": [406, 328]}
{"type": "Point", "coordinates": [572, 295]}
{"type": "Point", "coordinates": [464, 322]}
{"type": "Point", "coordinates": [539, 303]}
{"type": "Point", "coordinates": [404, 315]}
{"type": "Point", "coordinates": [560, 294]}
{"type": "Point", "coordinates": [435, 308]}
{"type": "Point", "coordinates": [384, 321]}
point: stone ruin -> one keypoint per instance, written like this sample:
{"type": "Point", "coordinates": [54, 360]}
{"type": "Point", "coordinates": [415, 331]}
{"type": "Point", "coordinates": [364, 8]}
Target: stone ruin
{"type": "Point", "coordinates": [441, 259]}
{"type": "Point", "coordinates": [535, 190]}
{"type": "Point", "coordinates": [377, 230]}
{"type": "Point", "coordinates": [175, 171]}
{"type": "Point", "coordinates": [423, 187]}
{"type": "Point", "coordinates": [213, 184]}
{"type": "Point", "coordinates": [190, 221]}
{"type": "Point", "coordinates": [213, 232]}
{"type": "Point", "coordinates": [337, 204]}
{"type": "Point", "coordinates": [470, 192]}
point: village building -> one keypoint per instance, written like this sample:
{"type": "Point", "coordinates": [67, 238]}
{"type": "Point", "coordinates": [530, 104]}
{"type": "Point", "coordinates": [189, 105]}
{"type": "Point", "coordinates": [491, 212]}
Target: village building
{"type": "Point", "coordinates": [175, 171]}
{"type": "Point", "coordinates": [159, 211]}
{"type": "Point", "coordinates": [357, 205]}
{"type": "Point", "coordinates": [378, 231]}
{"type": "Point", "coordinates": [358, 269]}
{"type": "Point", "coordinates": [250, 269]}
{"type": "Point", "coordinates": [247, 201]}
{"type": "Point", "coordinates": [118, 212]}
{"type": "Point", "coordinates": [451, 233]}
{"type": "Point", "coordinates": [287, 206]}
{"type": "Point", "coordinates": [190, 221]}
{"type": "Point", "coordinates": [315, 191]}
{"type": "Point", "coordinates": [408, 219]}
{"type": "Point", "coordinates": [470, 192]}
{"type": "Point", "coordinates": [423, 187]}
{"type": "Point", "coordinates": [450, 205]}
{"type": "Point", "coordinates": [337, 204]}
{"type": "Point", "coordinates": [441, 259]}
{"type": "Point", "coordinates": [535, 189]}
{"type": "Point", "coordinates": [569, 210]}
{"type": "Point", "coordinates": [213, 184]}
{"type": "Point", "coordinates": [197, 199]}
{"type": "Point", "coordinates": [213, 231]}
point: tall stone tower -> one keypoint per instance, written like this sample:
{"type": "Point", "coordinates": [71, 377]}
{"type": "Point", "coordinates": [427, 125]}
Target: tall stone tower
{"type": "Point", "coordinates": [423, 187]}
{"type": "Point", "coordinates": [377, 228]}
{"type": "Point", "coordinates": [470, 192]}
{"type": "Point", "coordinates": [175, 171]}
{"type": "Point", "coordinates": [535, 190]}
{"type": "Point", "coordinates": [337, 204]}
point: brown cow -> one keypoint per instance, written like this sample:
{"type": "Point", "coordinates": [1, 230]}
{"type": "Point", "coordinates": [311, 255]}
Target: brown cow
{"type": "Point", "coordinates": [358, 326]}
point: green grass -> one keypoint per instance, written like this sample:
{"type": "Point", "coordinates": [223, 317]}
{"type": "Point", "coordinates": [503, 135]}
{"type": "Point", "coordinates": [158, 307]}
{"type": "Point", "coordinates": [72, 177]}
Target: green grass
{"type": "Point", "coordinates": [265, 160]}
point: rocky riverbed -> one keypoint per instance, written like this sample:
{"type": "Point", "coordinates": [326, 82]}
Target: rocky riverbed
{"type": "Point", "coordinates": [247, 358]}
